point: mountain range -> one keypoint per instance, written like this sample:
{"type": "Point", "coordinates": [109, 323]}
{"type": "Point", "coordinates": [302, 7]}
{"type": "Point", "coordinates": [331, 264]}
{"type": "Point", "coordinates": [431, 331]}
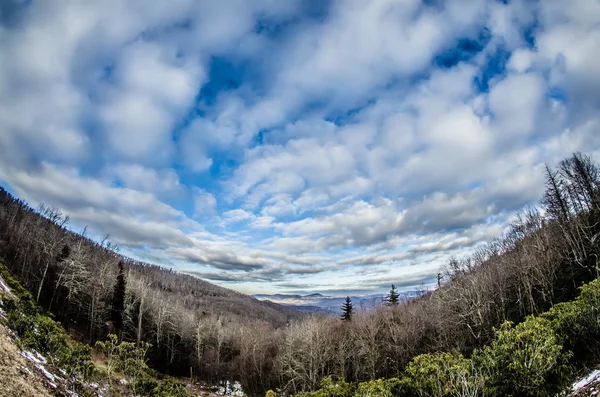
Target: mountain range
{"type": "Point", "coordinates": [325, 304]}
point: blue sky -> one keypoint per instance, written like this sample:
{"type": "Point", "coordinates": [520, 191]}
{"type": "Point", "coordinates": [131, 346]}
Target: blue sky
{"type": "Point", "coordinates": [295, 146]}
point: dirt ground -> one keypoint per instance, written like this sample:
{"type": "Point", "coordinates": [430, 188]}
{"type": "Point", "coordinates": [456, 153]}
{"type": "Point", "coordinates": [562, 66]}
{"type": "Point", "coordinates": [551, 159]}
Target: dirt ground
{"type": "Point", "coordinates": [18, 378]}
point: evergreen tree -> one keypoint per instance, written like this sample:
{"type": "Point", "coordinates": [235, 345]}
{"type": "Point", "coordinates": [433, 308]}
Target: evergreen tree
{"type": "Point", "coordinates": [393, 297]}
{"type": "Point", "coordinates": [347, 310]}
{"type": "Point", "coordinates": [118, 301]}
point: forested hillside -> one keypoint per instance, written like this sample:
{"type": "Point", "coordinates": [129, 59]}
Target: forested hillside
{"type": "Point", "coordinates": [547, 255]}
{"type": "Point", "coordinates": [94, 291]}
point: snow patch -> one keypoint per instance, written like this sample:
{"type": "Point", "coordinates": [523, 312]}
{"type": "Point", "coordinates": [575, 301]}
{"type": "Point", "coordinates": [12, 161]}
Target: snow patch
{"type": "Point", "coordinates": [594, 376]}
{"type": "Point", "coordinates": [39, 362]}
{"type": "Point", "coordinates": [231, 389]}
{"type": "Point", "coordinates": [4, 287]}
{"type": "Point", "coordinates": [34, 357]}
{"type": "Point", "coordinates": [4, 290]}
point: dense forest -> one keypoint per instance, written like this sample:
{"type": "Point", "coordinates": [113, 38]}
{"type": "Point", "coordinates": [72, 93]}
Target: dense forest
{"type": "Point", "coordinates": [548, 253]}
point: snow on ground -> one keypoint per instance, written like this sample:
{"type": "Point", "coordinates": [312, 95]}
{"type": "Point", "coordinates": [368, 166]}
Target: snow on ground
{"type": "Point", "coordinates": [53, 380]}
{"type": "Point", "coordinates": [4, 287]}
{"type": "Point", "coordinates": [40, 362]}
{"type": "Point", "coordinates": [594, 376]}
{"type": "Point", "coordinates": [4, 290]}
{"type": "Point", "coordinates": [231, 389]}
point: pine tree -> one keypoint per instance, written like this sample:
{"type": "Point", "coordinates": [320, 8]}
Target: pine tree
{"type": "Point", "coordinates": [393, 297]}
{"type": "Point", "coordinates": [118, 302]}
{"type": "Point", "coordinates": [347, 310]}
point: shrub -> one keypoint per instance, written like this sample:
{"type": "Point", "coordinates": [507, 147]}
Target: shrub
{"type": "Point", "coordinates": [270, 393]}
{"type": "Point", "coordinates": [16, 288]}
{"type": "Point", "coordinates": [170, 388]}
{"type": "Point", "coordinates": [126, 358]}
{"type": "Point", "coordinates": [578, 323]}
{"type": "Point", "coordinates": [331, 389]}
{"type": "Point", "coordinates": [383, 388]}
{"type": "Point", "coordinates": [444, 374]}
{"type": "Point", "coordinates": [145, 385]}
{"type": "Point", "coordinates": [109, 348]}
{"type": "Point", "coordinates": [525, 360]}
{"type": "Point", "coordinates": [39, 332]}
{"type": "Point", "coordinates": [77, 361]}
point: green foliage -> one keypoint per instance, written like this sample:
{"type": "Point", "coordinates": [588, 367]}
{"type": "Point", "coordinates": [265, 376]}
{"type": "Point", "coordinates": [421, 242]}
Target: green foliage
{"type": "Point", "coordinates": [170, 388]}
{"type": "Point", "coordinates": [383, 388]}
{"type": "Point", "coordinates": [109, 348]}
{"type": "Point", "coordinates": [125, 358]}
{"type": "Point", "coordinates": [145, 385]}
{"type": "Point", "coordinates": [270, 393]}
{"type": "Point", "coordinates": [376, 388]}
{"type": "Point", "coordinates": [578, 323]}
{"type": "Point", "coordinates": [525, 360]}
{"type": "Point", "coordinates": [444, 374]}
{"type": "Point", "coordinates": [39, 332]}
{"type": "Point", "coordinates": [393, 297]}
{"type": "Point", "coordinates": [347, 309]}
{"type": "Point", "coordinates": [77, 360]}
{"type": "Point", "coordinates": [16, 288]}
{"type": "Point", "coordinates": [331, 389]}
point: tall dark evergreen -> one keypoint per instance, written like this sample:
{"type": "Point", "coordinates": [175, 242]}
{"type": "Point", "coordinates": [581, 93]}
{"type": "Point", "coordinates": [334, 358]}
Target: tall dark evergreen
{"type": "Point", "coordinates": [393, 297]}
{"type": "Point", "coordinates": [347, 309]}
{"type": "Point", "coordinates": [118, 302]}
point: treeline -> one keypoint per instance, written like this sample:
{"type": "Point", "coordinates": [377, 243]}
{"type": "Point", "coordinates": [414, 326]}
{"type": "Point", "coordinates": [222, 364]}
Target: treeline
{"type": "Point", "coordinates": [539, 357]}
{"type": "Point", "coordinates": [546, 255]}
{"type": "Point", "coordinates": [94, 291]}
{"type": "Point", "coordinates": [544, 258]}
{"type": "Point", "coordinates": [67, 364]}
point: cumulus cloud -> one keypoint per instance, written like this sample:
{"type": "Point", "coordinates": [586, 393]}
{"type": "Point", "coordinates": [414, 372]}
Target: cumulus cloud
{"type": "Point", "coordinates": [204, 202]}
{"type": "Point", "coordinates": [145, 179]}
{"type": "Point", "coordinates": [132, 218]}
{"type": "Point", "coordinates": [270, 145]}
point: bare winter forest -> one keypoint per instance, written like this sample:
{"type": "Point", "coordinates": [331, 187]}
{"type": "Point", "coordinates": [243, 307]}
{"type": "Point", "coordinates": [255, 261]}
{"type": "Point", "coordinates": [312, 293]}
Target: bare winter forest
{"type": "Point", "coordinates": [218, 334]}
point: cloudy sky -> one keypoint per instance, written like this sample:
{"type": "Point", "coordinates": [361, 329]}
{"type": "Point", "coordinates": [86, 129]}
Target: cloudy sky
{"type": "Point", "coordinates": [295, 146]}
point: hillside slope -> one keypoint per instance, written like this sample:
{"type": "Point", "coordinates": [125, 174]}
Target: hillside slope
{"type": "Point", "coordinates": [17, 375]}
{"type": "Point", "coordinates": [94, 291]}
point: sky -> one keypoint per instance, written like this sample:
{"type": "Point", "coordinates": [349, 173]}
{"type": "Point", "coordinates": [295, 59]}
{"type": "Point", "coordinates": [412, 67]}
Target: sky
{"type": "Point", "coordinates": [295, 146]}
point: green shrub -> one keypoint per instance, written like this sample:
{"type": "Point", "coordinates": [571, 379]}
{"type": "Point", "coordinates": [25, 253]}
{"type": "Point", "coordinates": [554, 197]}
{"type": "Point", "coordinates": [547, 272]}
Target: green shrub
{"type": "Point", "coordinates": [16, 288]}
{"type": "Point", "coordinates": [444, 374]}
{"type": "Point", "coordinates": [39, 332]}
{"type": "Point", "coordinates": [76, 361]}
{"type": "Point", "coordinates": [525, 360]}
{"type": "Point", "coordinates": [578, 323]}
{"type": "Point", "coordinates": [126, 358]}
{"type": "Point", "coordinates": [170, 388]}
{"type": "Point", "coordinates": [270, 393]}
{"type": "Point", "coordinates": [145, 385]}
{"type": "Point", "coordinates": [383, 388]}
{"type": "Point", "coordinates": [330, 389]}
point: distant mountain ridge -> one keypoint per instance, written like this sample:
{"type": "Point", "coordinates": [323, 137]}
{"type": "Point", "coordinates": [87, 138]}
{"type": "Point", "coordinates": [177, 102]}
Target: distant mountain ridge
{"type": "Point", "coordinates": [324, 304]}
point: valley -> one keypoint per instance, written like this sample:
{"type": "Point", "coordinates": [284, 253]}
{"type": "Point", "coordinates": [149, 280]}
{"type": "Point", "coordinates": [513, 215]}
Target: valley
{"type": "Point", "coordinates": [534, 291]}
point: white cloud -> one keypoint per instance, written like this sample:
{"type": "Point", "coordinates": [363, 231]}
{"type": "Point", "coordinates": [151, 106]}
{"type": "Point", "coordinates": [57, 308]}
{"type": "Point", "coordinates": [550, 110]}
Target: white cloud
{"type": "Point", "coordinates": [138, 177]}
{"type": "Point", "coordinates": [130, 217]}
{"type": "Point", "coordinates": [204, 203]}
{"type": "Point", "coordinates": [515, 103]}
{"type": "Point", "coordinates": [237, 215]}
{"type": "Point", "coordinates": [153, 89]}
{"type": "Point", "coordinates": [343, 145]}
